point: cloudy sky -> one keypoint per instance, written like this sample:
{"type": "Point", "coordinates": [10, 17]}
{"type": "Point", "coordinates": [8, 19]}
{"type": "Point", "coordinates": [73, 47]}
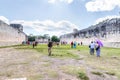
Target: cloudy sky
{"type": "Point", "coordinates": [57, 17]}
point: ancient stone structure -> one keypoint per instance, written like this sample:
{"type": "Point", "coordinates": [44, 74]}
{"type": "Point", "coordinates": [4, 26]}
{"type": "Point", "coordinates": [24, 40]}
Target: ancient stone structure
{"type": "Point", "coordinates": [11, 34]}
{"type": "Point", "coordinates": [107, 31]}
{"type": "Point", "coordinates": [19, 27]}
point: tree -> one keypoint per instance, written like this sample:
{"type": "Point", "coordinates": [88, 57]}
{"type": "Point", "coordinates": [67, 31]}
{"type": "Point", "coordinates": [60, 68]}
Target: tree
{"type": "Point", "coordinates": [55, 39]}
{"type": "Point", "coordinates": [31, 37]}
{"type": "Point", "coordinates": [39, 36]}
{"type": "Point", "coordinates": [46, 36]}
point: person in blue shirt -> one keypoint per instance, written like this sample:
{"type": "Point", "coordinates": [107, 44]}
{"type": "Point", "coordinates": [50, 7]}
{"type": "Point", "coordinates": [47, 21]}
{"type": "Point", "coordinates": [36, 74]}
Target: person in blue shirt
{"type": "Point", "coordinates": [74, 44]}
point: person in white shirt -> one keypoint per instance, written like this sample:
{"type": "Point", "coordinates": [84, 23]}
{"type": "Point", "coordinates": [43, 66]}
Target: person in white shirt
{"type": "Point", "coordinates": [92, 47]}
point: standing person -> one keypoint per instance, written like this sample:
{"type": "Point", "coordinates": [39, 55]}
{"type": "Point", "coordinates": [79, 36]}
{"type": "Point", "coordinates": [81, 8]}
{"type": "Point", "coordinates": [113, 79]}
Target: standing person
{"type": "Point", "coordinates": [92, 47]}
{"type": "Point", "coordinates": [81, 43]}
{"type": "Point", "coordinates": [97, 46]}
{"type": "Point", "coordinates": [72, 44]}
{"type": "Point", "coordinates": [36, 43]}
{"type": "Point", "coordinates": [50, 44]}
{"type": "Point", "coordinates": [33, 44]}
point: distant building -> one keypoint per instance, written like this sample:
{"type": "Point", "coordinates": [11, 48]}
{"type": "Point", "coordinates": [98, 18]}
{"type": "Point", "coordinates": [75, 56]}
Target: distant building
{"type": "Point", "coordinates": [19, 27]}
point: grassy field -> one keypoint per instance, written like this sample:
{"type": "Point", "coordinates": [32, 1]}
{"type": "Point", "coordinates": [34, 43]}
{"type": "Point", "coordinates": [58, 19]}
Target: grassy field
{"type": "Point", "coordinates": [108, 63]}
{"type": "Point", "coordinates": [57, 51]}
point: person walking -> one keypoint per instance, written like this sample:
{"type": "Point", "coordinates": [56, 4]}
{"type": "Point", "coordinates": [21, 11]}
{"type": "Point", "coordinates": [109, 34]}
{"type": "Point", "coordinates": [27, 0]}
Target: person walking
{"type": "Point", "coordinates": [50, 44]}
{"type": "Point", "coordinates": [92, 47]}
{"type": "Point", "coordinates": [97, 47]}
{"type": "Point", "coordinates": [81, 43]}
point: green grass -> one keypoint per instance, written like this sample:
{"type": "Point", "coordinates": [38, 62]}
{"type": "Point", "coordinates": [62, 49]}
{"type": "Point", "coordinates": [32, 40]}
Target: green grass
{"type": "Point", "coordinates": [97, 73]}
{"type": "Point", "coordinates": [72, 70]}
{"type": "Point", "coordinates": [109, 60]}
{"type": "Point", "coordinates": [59, 52]}
{"type": "Point", "coordinates": [35, 77]}
{"type": "Point", "coordinates": [83, 76]}
{"type": "Point", "coordinates": [75, 71]}
{"type": "Point", "coordinates": [110, 73]}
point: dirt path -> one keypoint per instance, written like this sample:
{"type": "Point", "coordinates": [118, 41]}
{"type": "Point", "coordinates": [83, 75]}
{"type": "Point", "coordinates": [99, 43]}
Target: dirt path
{"type": "Point", "coordinates": [35, 66]}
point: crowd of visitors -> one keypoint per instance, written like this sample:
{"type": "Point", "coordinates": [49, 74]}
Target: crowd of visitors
{"type": "Point", "coordinates": [94, 46]}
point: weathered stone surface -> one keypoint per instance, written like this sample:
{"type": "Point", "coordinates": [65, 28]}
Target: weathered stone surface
{"type": "Point", "coordinates": [10, 35]}
{"type": "Point", "coordinates": [107, 31]}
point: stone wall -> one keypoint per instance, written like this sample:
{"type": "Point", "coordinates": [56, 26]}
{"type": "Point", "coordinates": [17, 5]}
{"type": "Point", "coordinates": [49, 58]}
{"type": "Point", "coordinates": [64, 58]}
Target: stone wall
{"type": "Point", "coordinates": [107, 31]}
{"type": "Point", "coordinates": [10, 35]}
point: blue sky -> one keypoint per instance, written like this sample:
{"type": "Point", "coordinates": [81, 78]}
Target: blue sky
{"type": "Point", "coordinates": [57, 17]}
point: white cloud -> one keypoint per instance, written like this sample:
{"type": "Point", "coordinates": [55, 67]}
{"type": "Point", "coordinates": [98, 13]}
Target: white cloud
{"type": "Point", "coordinates": [68, 1]}
{"type": "Point", "coordinates": [44, 27]}
{"type": "Point", "coordinates": [48, 26]}
{"type": "Point", "coordinates": [105, 18]}
{"type": "Point", "coordinates": [55, 1]}
{"type": "Point", "coordinates": [51, 1]}
{"type": "Point", "coordinates": [4, 19]}
{"type": "Point", "coordinates": [102, 5]}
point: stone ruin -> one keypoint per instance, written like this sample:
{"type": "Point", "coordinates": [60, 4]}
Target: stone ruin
{"type": "Point", "coordinates": [11, 34]}
{"type": "Point", "coordinates": [108, 31]}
